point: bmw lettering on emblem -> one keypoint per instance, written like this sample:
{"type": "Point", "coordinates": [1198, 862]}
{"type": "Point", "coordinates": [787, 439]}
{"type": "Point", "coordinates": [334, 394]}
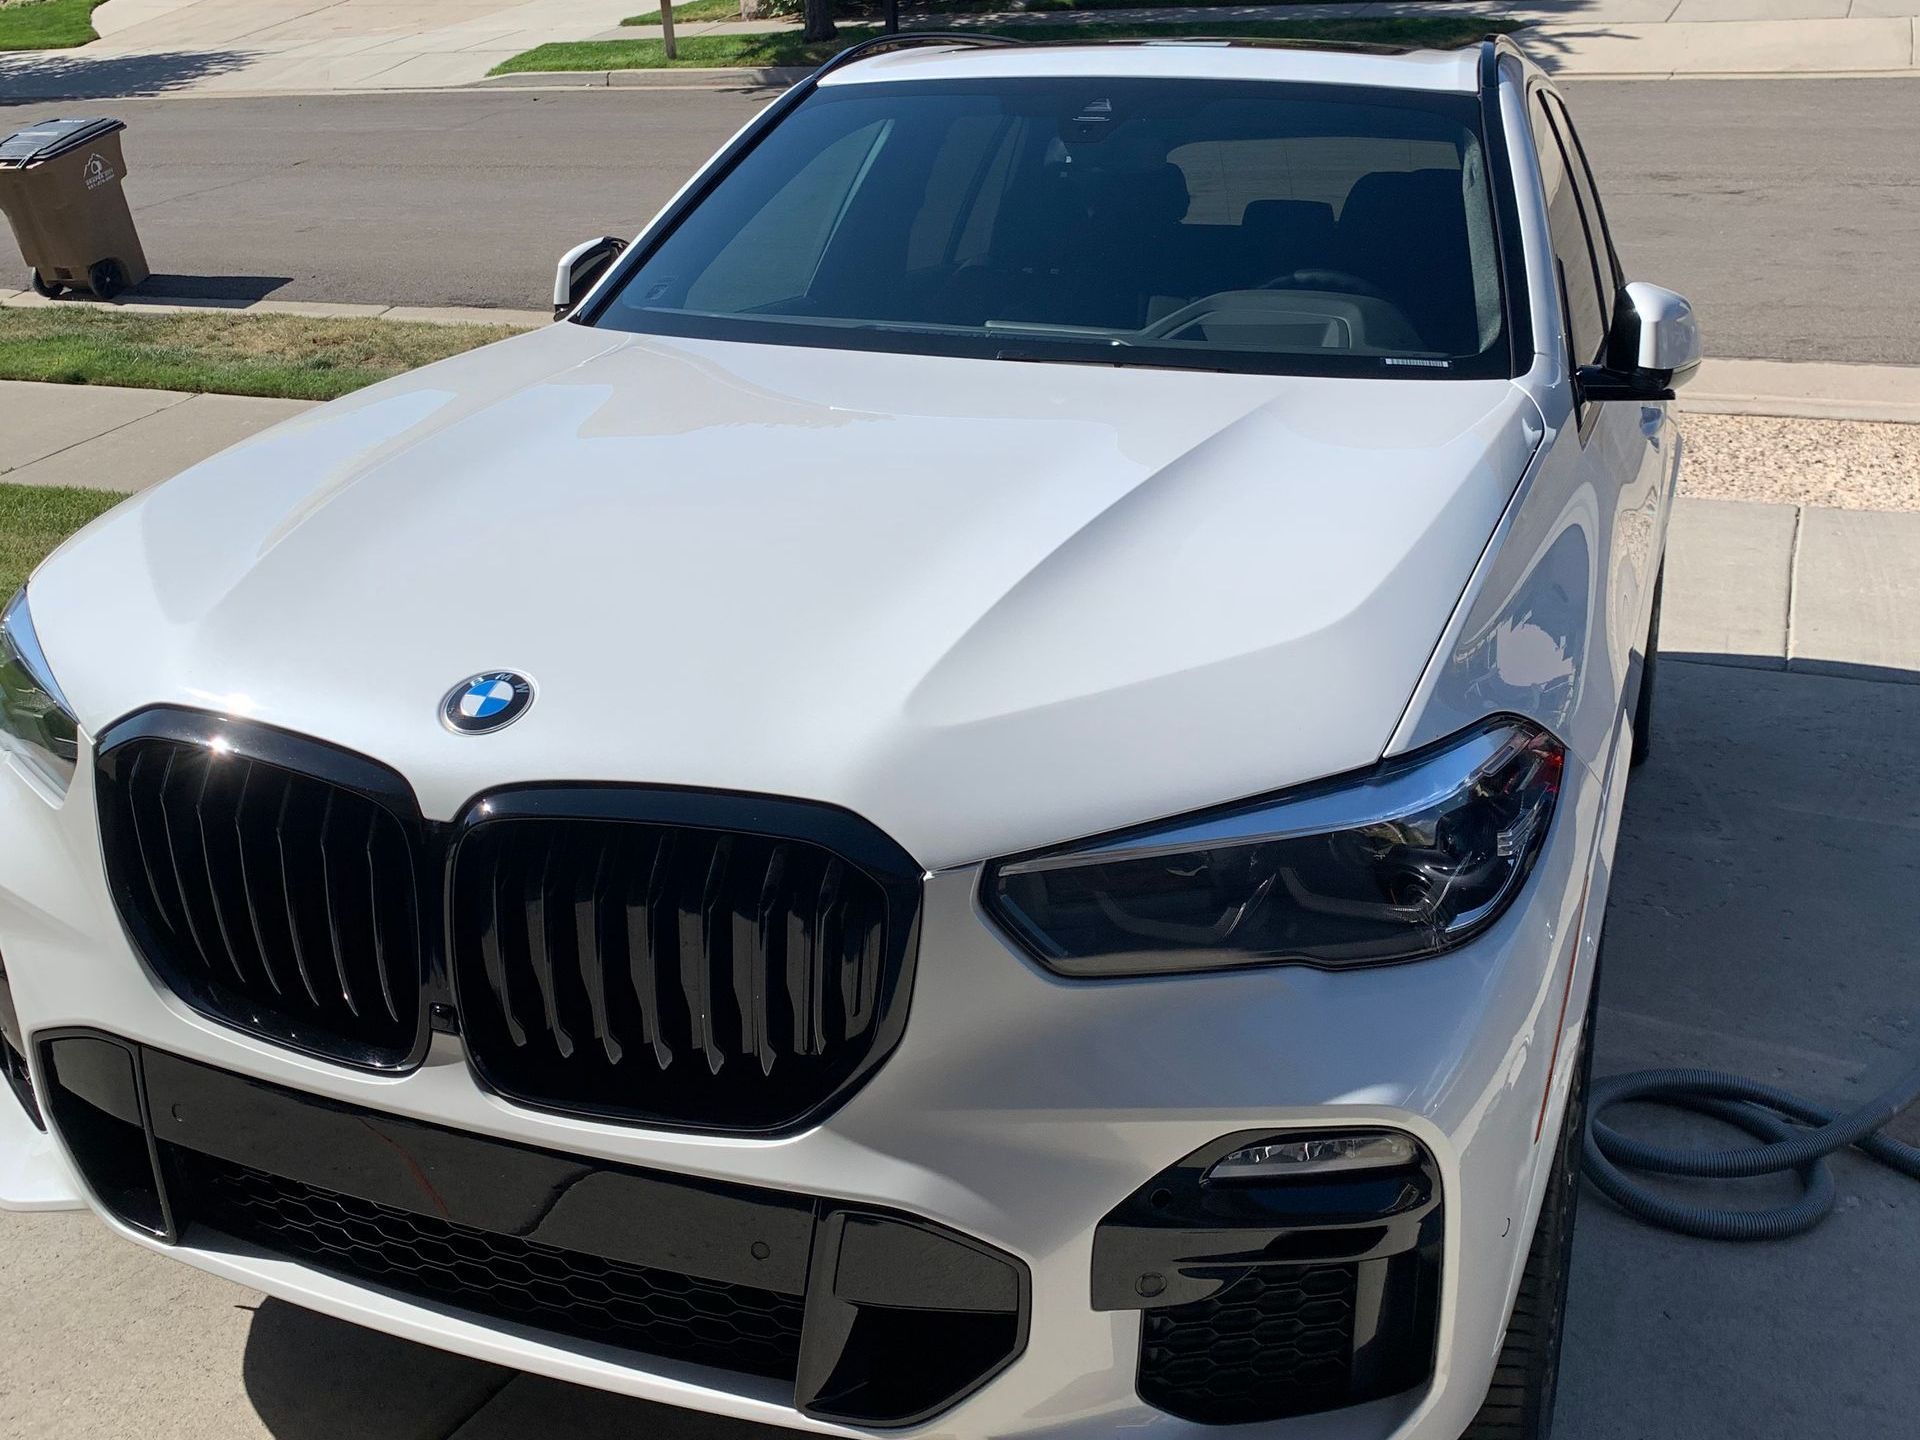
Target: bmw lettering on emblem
{"type": "Point", "coordinates": [486, 703]}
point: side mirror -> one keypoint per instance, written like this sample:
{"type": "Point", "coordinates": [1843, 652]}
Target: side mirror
{"type": "Point", "coordinates": [580, 269]}
{"type": "Point", "coordinates": [1654, 347]}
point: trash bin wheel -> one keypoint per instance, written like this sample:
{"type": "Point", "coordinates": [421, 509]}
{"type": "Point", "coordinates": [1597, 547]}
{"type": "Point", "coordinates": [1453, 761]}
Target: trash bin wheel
{"type": "Point", "coordinates": [41, 287]}
{"type": "Point", "coordinates": [106, 279]}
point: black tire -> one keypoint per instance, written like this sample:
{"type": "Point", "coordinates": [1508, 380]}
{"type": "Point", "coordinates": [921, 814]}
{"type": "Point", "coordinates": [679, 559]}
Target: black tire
{"type": "Point", "coordinates": [1519, 1404]}
{"type": "Point", "coordinates": [40, 286]}
{"type": "Point", "coordinates": [1649, 670]}
{"type": "Point", "coordinates": [106, 279]}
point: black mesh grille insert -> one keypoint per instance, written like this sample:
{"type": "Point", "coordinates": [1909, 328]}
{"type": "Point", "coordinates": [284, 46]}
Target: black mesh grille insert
{"type": "Point", "coordinates": [1271, 1344]}
{"type": "Point", "coordinates": [656, 1312]}
{"type": "Point", "coordinates": [681, 975]}
{"type": "Point", "coordinates": [267, 897]}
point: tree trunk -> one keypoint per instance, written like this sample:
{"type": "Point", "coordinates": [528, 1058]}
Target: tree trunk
{"type": "Point", "coordinates": [819, 16]}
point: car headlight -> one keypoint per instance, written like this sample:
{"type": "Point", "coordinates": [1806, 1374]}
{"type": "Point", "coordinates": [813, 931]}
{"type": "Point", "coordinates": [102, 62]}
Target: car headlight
{"type": "Point", "coordinates": [1406, 861]}
{"type": "Point", "coordinates": [36, 723]}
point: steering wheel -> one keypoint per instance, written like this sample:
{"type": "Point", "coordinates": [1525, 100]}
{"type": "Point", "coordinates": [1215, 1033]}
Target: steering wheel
{"type": "Point", "coordinates": [1318, 279]}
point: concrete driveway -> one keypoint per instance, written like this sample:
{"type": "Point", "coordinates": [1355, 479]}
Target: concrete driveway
{"type": "Point", "coordinates": [153, 46]}
{"type": "Point", "coordinates": [1761, 921]}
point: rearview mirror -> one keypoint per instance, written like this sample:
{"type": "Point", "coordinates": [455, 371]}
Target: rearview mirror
{"type": "Point", "coordinates": [580, 269]}
{"type": "Point", "coordinates": [1655, 346]}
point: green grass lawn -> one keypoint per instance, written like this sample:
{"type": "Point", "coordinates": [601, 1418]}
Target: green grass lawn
{"type": "Point", "coordinates": [45, 24]}
{"type": "Point", "coordinates": [35, 518]}
{"type": "Point", "coordinates": [285, 356]}
{"type": "Point", "coordinates": [694, 11]}
{"type": "Point", "coordinates": [778, 48]}
{"type": "Point", "coordinates": [704, 10]}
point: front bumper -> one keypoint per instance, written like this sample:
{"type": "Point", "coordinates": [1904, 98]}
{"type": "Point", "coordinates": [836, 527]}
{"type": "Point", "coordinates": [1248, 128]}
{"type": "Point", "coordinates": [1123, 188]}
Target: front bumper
{"type": "Point", "coordinates": [1018, 1112]}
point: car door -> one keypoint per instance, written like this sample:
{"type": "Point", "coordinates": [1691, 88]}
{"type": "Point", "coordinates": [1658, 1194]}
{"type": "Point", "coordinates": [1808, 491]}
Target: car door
{"type": "Point", "coordinates": [1623, 448]}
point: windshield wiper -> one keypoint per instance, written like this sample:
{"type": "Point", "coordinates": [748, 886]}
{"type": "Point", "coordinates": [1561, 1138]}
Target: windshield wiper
{"type": "Point", "coordinates": [1158, 361]}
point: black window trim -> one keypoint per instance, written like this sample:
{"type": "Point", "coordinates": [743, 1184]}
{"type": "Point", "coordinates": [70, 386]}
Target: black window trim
{"type": "Point", "coordinates": [1586, 413]}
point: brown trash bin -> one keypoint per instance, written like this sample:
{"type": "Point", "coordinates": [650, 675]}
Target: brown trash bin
{"type": "Point", "coordinates": [60, 187]}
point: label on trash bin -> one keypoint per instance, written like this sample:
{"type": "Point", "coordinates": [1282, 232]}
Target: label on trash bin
{"type": "Point", "coordinates": [98, 172]}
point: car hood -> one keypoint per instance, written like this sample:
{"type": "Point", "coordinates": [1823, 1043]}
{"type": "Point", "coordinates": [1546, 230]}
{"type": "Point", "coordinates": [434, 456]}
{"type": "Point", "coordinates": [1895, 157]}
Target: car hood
{"type": "Point", "coordinates": [987, 605]}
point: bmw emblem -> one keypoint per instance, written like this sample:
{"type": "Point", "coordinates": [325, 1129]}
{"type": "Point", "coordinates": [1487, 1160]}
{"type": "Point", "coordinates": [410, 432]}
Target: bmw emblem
{"type": "Point", "coordinates": [486, 703]}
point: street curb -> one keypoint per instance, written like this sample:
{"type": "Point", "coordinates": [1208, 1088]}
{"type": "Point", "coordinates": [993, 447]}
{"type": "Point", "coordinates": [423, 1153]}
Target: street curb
{"type": "Point", "coordinates": [736, 77]}
{"type": "Point", "coordinates": [311, 309]}
{"type": "Point", "coordinates": [1786, 407]}
{"type": "Point", "coordinates": [1812, 390]}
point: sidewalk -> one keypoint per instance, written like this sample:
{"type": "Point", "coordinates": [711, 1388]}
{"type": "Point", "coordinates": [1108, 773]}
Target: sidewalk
{"type": "Point", "coordinates": [314, 309]}
{"type": "Point", "coordinates": [151, 47]}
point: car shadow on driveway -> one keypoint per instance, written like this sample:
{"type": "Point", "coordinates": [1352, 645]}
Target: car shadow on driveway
{"type": "Point", "coordinates": [311, 1377]}
{"type": "Point", "coordinates": [1762, 920]}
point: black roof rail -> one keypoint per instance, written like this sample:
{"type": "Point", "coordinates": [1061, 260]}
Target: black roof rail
{"type": "Point", "coordinates": [970, 38]}
{"type": "Point", "coordinates": [1492, 48]}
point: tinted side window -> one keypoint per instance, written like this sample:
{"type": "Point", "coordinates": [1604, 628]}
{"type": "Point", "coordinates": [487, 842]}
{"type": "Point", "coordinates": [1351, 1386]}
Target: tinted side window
{"type": "Point", "coordinates": [1573, 256]}
{"type": "Point", "coordinates": [1606, 267]}
{"type": "Point", "coordinates": [1589, 201]}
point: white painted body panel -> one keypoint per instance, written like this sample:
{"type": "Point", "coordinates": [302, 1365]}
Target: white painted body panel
{"type": "Point", "coordinates": [957, 597]}
{"type": "Point", "coordinates": [989, 607]}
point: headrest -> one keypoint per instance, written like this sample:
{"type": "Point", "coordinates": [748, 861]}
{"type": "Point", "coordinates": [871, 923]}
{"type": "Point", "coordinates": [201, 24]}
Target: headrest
{"type": "Point", "coordinates": [1155, 196]}
{"type": "Point", "coordinates": [1396, 197]}
{"type": "Point", "coordinates": [1307, 222]}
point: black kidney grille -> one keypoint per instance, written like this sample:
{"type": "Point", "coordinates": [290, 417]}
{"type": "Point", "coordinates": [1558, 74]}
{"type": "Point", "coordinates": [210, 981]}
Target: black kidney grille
{"type": "Point", "coordinates": [664, 972]}
{"type": "Point", "coordinates": [269, 898]}
{"type": "Point", "coordinates": [658, 1312]}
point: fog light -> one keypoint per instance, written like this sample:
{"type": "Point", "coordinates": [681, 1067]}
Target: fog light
{"type": "Point", "coordinates": [1313, 1155]}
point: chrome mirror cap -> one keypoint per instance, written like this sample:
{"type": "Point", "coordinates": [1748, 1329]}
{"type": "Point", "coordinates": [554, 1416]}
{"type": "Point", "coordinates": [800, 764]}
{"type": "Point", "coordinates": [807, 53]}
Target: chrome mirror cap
{"type": "Point", "coordinates": [1669, 338]}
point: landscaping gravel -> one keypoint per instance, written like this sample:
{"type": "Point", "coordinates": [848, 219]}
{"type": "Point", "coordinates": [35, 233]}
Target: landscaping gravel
{"type": "Point", "coordinates": [1852, 465]}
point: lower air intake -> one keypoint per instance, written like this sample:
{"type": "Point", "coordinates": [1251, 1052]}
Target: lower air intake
{"type": "Point", "coordinates": [732, 1327]}
{"type": "Point", "coordinates": [855, 1315]}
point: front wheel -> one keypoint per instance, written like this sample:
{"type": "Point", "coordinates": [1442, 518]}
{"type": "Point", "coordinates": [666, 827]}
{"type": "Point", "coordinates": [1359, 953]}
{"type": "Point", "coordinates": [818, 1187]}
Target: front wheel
{"type": "Point", "coordinates": [1519, 1404]}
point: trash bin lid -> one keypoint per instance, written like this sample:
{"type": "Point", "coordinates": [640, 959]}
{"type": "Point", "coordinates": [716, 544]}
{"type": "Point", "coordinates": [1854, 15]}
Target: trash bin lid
{"type": "Point", "coordinates": [50, 138]}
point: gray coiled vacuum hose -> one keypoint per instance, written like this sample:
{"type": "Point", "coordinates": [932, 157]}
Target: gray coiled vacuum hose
{"type": "Point", "coordinates": [1762, 1111]}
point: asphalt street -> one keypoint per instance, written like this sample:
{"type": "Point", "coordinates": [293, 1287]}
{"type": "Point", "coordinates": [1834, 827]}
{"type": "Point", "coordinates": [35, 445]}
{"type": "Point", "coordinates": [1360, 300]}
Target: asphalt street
{"type": "Point", "coordinates": [1784, 209]}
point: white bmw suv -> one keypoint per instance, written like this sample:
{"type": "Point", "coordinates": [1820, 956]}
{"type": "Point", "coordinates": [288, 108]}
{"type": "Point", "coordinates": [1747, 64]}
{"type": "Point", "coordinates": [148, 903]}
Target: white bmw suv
{"type": "Point", "coordinates": [976, 801]}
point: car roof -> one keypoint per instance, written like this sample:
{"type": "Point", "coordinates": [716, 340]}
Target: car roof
{"type": "Point", "coordinates": [1444, 70]}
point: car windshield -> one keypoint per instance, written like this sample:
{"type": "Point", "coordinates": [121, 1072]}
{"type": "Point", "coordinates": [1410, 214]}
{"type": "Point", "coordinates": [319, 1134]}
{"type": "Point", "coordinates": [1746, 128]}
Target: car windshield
{"type": "Point", "coordinates": [1194, 223]}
